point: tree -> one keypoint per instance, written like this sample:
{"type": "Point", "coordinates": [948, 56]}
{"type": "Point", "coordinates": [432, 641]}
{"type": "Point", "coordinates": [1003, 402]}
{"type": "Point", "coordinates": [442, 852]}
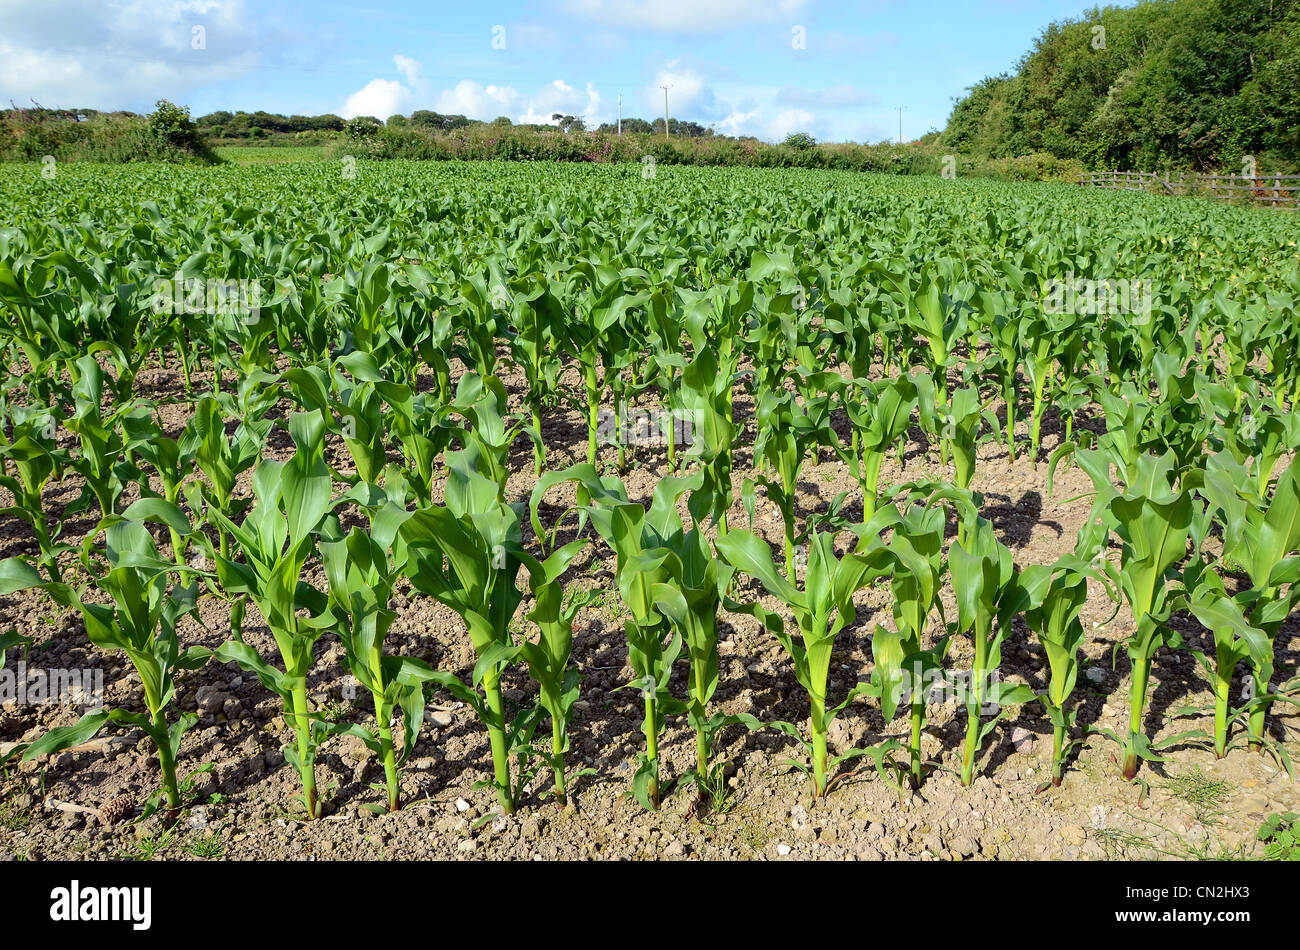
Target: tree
{"type": "Point", "coordinates": [437, 120]}
{"type": "Point", "coordinates": [362, 127]}
{"type": "Point", "coordinates": [568, 123]}
{"type": "Point", "coordinates": [171, 126]}
{"type": "Point", "coordinates": [1186, 82]}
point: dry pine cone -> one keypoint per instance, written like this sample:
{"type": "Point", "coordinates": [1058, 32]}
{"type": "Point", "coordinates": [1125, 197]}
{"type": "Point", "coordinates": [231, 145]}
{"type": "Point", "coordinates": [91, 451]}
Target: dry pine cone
{"type": "Point", "coordinates": [114, 811]}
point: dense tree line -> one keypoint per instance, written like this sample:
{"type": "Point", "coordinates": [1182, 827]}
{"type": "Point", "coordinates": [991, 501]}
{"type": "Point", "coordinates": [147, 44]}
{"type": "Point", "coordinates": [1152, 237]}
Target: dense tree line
{"type": "Point", "coordinates": [1165, 83]}
{"type": "Point", "coordinates": [222, 124]}
{"type": "Point", "coordinates": [677, 127]}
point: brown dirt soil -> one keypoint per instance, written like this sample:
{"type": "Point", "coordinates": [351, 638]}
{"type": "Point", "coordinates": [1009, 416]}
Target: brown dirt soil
{"type": "Point", "coordinates": [245, 806]}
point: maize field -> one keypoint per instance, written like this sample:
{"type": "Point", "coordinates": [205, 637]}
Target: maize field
{"type": "Point", "coordinates": [519, 511]}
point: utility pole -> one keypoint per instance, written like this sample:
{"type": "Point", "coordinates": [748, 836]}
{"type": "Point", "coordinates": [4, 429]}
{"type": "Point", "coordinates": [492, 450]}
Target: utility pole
{"type": "Point", "coordinates": [900, 125]}
{"type": "Point", "coordinates": [665, 89]}
{"type": "Point", "coordinates": [620, 113]}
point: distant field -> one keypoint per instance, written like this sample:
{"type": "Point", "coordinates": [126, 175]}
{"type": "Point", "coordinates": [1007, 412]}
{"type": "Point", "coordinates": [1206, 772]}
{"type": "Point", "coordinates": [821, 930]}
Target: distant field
{"type": "Point", "coordinates": [270, 154]}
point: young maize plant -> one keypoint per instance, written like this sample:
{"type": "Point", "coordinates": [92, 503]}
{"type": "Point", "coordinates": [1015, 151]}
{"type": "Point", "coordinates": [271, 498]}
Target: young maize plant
{"type": "Point", "coordinates": [913, 561]}
{"type": "Point", "coordinates": [146, 440]}
{"type": "Point", "coordinates": [41, 326]}
{"type": "Point", "coordinates": [434, 351]}
{"type": "Point", "coordinates": [1052, 595]}
{"type": "Point", "coordinates": [222, 459]}
{"type": "Point", "coordinates": [691, 601]}
{"type": "Point", "coordinates": [418, 423]}
{"type": "Point", "coordinates": [475, 315]}
{"type": "Point", "coordinates": [352, 408]}
{"type": "Point", "coordinates": [1254, 431]}
{"type": "Point", "coordinates": [1179, 422]}
{"type": "Point", "coordinates": [361, 573]}
{"type": "Point", "coordinates": [1129, 414]}
{"type": "Point", "coordinates": [104, 463]}
{"type": "Point", "coordinates": [789, 428]}
{"type": "Point", "coordinates": [141, 622]}
{"type": "Point", "coordinates": [483, 403]}
{"type": "Point", "coordinates": [548, 657]}
{"type": "Point", "coordinates": [1003, 362]}
{"type": "Point", "coordinates": [988, 591]}
{"type": "Point", "coordinates": [706, 394]}
{"type": "Point", "coordinates": [537, 324]}
{"type": "Point", "coordinates": [1038, 342]}
{"type": "Point", "coordinates": [939, 320]}
{"type": "Point", "coordinates": [1259, 538]}
{"type": "Point", "coordinates": [365, 297]}
{"type": "Point", "coordinates": [598, 340]}
{"type": "Point", "coordinates": [1152, 519]}
{"type": "Point", "coordinates": [667, 361]}
{"type": "Point", "coordinates": [664, 579]}
{"type": "Point", "coordinates": [957, 425]}
{"type": "Point", "coordinates": [1235, 640]}
{"type": "Point", "coordinates": [467, 556]}
{"type": "Point", "coordinates": [881, 413]}
{"type": "Point", "coordinates": [276, 540]}
{"type": "Point", "coordinates": [36, 459]}
{"type": "Point", "coordinates": [822, 605]}
{"type": "Point", "coordinates": [772, 338]}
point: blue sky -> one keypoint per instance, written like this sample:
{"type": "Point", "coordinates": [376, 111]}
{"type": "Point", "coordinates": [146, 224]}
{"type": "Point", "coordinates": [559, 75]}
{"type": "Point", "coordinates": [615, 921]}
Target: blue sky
{"type": "Point", "coordinates": [837, 68]}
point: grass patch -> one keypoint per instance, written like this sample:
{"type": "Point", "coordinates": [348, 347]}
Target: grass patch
{"type": "Point", "coordinates": [1208, 797]}
{"type": "Point", "coordinates": [270, 154]}
{"type": "Point", "coordinates": [208, 845]}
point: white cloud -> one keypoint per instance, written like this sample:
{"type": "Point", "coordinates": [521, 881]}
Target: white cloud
{"type": "Point", "coordinates": [70, 53]}
{"type": "Point", "coordinates": [379, 98]}
{"type": "Point", "coordinates": [685, 16]}
{"type": "Point", "coordinates": [772, 126]}
{"type": "Point", "coordinates": [384, 97]}
{"type": "Point", "coordinates": [557, 96]}
{"type": "Point", "coordinates": [409, 69]}
{"type": "Point", "coordinates": [689, 96]}
{"type": "Point", "coordinates": [470, 99]}
{"type": "Point", "coordinates": [476, 101]}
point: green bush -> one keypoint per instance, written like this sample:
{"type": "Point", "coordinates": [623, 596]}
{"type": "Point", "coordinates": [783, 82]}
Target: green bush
{"type": "Point", "coordinates": [1040, 166]}
{"type": "Point", "coordinates": [362, 127]}
{"type": "Point", "coordinates": [167, 134]}
{"type": "Point", "coordinates": [501, 142]}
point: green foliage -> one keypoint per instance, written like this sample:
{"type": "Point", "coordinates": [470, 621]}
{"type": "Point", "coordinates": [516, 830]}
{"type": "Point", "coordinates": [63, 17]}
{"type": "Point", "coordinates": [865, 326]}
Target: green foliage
{"type": "Point", "coordinates": [174, 130]}
{"type": "Point", "coordinates": [1281, 837]}
{"type": "Point", "coordinates": [362, 127]}
{"type": "Point", "coordinates": [1187, 83]}
{"type": "Point", "coordinates": [141, 621]}
{"type": "Point", "coordinates": [276, 540]}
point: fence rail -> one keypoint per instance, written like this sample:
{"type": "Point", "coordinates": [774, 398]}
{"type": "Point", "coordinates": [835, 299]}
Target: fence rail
{"type": "Point", "coordinates": [1271, 191]}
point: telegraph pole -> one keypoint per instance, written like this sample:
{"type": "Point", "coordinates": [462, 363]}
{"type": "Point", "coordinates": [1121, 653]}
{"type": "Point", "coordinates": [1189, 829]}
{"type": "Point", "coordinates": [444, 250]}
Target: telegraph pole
{"type": "Point", "coordinates": [900, 125]}
{"type": "Point", "coordinates": [665, 89]}
{"type": "Point", "coordinates": [620, 113]}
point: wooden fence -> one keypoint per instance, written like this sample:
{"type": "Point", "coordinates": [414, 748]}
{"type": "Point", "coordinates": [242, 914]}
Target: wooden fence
{"type": "Point", "coordinates": [1270, 191]}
